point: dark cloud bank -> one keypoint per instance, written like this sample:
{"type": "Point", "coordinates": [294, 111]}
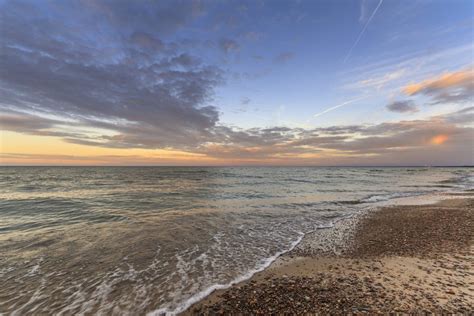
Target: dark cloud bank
{"type": "Point", "coordinates": [90, 62]}
{"type": "Point", "coordinates": [109, 65]}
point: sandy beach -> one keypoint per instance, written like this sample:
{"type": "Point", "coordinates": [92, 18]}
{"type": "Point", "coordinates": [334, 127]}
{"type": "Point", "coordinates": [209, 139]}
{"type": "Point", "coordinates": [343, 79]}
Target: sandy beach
{"type": "Point", "coordinates": [407, 259]}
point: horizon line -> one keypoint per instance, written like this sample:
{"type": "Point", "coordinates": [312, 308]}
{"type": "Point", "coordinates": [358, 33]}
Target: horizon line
{"type": "Point", "coordinates": [253, 166]}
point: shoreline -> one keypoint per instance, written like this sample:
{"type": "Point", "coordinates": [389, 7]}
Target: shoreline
{"type": "Point", "coordinates": [345, 263]}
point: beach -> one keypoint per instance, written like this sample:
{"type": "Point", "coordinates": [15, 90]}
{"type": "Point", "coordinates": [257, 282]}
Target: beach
{"type": "Point", "coordinates": [402, 258]}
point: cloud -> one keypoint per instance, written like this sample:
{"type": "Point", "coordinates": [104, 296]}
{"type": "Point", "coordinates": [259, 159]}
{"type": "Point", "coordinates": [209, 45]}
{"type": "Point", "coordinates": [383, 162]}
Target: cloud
{"type": "Point", "coordinates": [228, 45]}
{"type": "Point", "coordinates": [378, 81]}
{"type": "Point", "coordinates": [113, 75]}
{"type": "Point", "coordinates": [147, 41]}
{"type": "Point", "coordinates": [402, 107]}
{"type": "Point", "coordinates": [462, 117]}
{"type": "Point", "coordinates": [392, 74]}
{"type": "Point", "coordinates": [442, 139]}
{"type": "Point", "coordinates": [432, 141]}
{"type": "Point", "coordinates": [164, 17]}
{"type": "Point", "coordinates": [276, 142]}
{"type": "Point", "coordinates": [439, 139]}
{"type": "Point", "coordinates": [405, 136]}
{"type": "Point", "coordinates": [379, 139]}
{"type": "Point", "coordinates": [25, 123]}
{"type": "Point", "coordinates": [284, 57]}
{"type": "Point", "coordinates": [245, 101]}
{"type": "Point", "coordinates": [185, 60]}
{"type": "Point", "coordinates": [450, 87]}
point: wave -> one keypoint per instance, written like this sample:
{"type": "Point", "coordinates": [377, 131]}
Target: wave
{"type": "Point", "coordinates": [201, 295]}
{"type": "Point", "coordinates": [350, 202]}
{"type": "Point", "coordinates": [303, 181]}
{"type": "Point", "coordinates": [390, 196]}
{"type": "Point", "coordinates": [264, 263]}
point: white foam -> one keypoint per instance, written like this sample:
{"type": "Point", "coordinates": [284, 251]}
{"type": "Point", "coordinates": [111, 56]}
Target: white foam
{"type": "Point", "coordinates": [201, 295]}
{"type": "Point", "coordinates": [36, 268]}
{"type": "Point", "coordinates": [420, 199]}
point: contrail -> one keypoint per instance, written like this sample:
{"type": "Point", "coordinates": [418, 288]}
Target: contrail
{"type": "Point", "coordinates": [338, 106]}
{"type": "Point", "coordinates": [362, 32]}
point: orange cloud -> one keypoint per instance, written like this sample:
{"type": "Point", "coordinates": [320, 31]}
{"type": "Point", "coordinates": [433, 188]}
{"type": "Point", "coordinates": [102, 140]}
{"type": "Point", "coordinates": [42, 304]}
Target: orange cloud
{"type": "Point", "coordinates": [447, 80]}
{"type": "Point", "coordinates": [439, 139]}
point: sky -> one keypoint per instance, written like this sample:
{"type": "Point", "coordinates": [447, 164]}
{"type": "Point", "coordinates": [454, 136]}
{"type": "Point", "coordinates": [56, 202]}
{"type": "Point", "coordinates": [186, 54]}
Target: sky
{"type": "Point", "coordinates": [186, 82]}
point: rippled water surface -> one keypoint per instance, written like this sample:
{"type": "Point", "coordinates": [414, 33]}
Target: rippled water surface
{"type": "Point", "coordinates": [155, 239]}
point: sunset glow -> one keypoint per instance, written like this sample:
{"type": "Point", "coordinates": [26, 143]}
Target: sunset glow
{"type": "Point", "coordinates": [181, 157]}
{"type": "Point", "coordinates": [211, 83]}
{"type": "Point", "coordinates": [439, 139]}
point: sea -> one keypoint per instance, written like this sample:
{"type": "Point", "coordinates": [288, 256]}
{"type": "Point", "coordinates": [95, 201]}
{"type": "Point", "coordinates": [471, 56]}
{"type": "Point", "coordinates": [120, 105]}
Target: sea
{"type": "Point", "coordinates": [154, 240]}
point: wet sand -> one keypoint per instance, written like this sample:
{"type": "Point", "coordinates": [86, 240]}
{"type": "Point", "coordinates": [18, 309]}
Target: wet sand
{"type": "Point", "coordinates": [397, 259]}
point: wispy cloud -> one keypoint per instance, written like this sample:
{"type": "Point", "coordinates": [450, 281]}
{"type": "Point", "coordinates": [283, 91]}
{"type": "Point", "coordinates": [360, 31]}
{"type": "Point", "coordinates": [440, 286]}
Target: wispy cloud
{"type": "Point", "coordinates": [228, 45]}
{"type": "Point", "coordinates": [379, 80]}
{"type": "Point", "coordinates": [362, 32]}
{"type": "Point", "coordinates": [453, 87]}
{"type": "Point", "coordinates": [407, 106]}
{"type": "Point", "coordinates": [284, 57]}
{"type": "Point", "coordinates": [338, 106]}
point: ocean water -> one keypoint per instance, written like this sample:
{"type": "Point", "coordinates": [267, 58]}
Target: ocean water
{"type": "Point", "coordinates": [135, 240]}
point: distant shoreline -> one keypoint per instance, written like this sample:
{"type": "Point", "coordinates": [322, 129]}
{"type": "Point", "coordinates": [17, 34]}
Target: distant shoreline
{"type": "Point", "coordinates": [398, 258]}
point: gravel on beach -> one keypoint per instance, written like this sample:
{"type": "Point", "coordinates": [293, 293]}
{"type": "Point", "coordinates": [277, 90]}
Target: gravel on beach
{"type": "Point", "coordinates": [410, 259]}
{"type": "Point", "coordinates": [416, 230]}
